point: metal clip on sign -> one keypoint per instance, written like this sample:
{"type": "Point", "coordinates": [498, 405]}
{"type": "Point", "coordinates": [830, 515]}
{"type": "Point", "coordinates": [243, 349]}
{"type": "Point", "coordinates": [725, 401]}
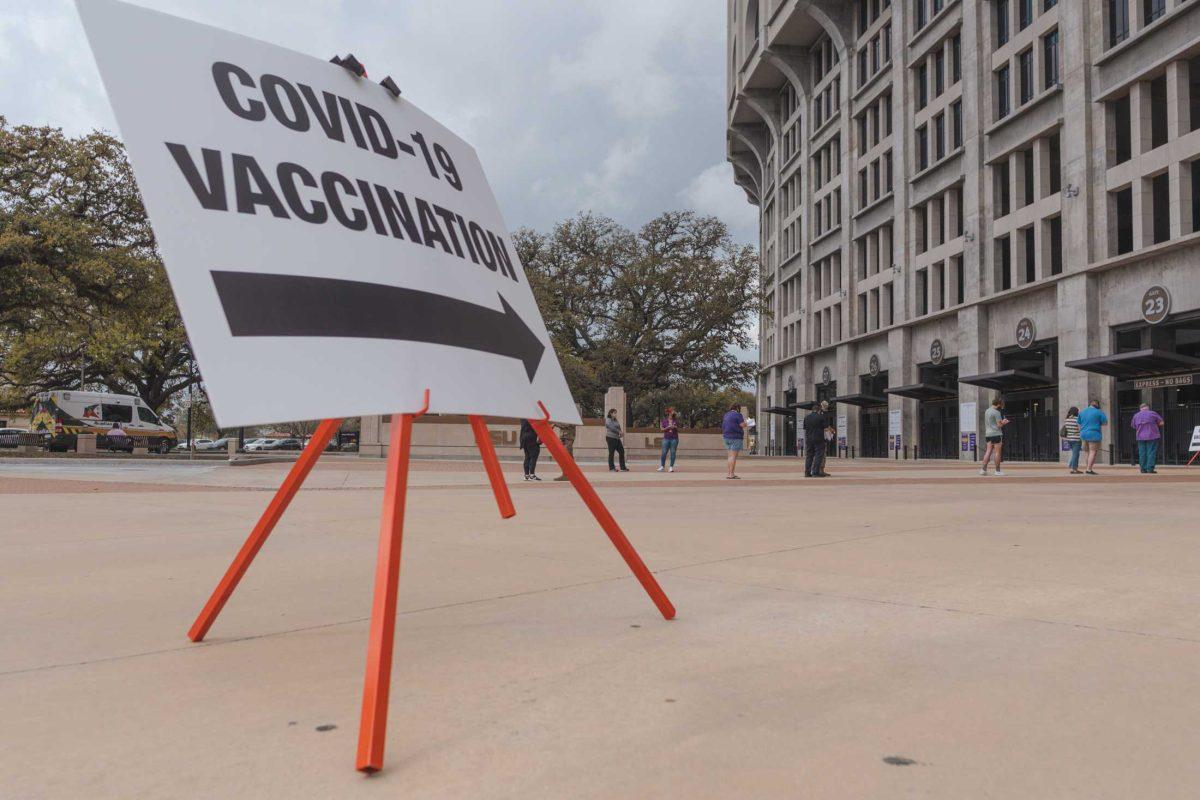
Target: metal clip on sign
{"type": "Point", "coordinates": [372, 731]}
{"type": "Point", "coordinates": [358, 69]}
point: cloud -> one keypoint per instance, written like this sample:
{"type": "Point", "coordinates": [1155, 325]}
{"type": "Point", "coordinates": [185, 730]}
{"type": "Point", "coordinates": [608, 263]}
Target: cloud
{"type": "Point", "coordinates": [614, 106]}
{"type": "Point", "coordinates": [714, 192]}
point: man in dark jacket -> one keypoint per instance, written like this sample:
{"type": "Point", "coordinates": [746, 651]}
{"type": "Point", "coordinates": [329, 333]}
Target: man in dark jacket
{"type": "Point", "coordinates": [816, 422]}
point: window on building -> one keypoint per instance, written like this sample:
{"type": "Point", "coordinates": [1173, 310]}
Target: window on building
{"type": "Point", "coordinates": [862, 66]}
{"type": "Point", "coordinates": [1050, 60]}
{"type": "Point", "coordinates": [862, 313]}
{"type": "Point", "coordinates": [1152, 10]}
{"type": "Point", "coordinates": [939, 137]}
{"type": "Point", "coordinates": [862, 188]}
{"type": "Point", "coordinates": [922, 85]}
{"type": "Point", "coordinates": [1000, 188]}
{"type": "Point", "coordinates": [1054, 231]}
{"type": "Point", "coordinates": [922, 292]}
{"type": "Point", "coordinates": [1048, 4]}
{"type": "Point", "coordinates": [956, 197]}
{"type": "Point", "coordinates": [1161, 193]}
{"type": "Point", "coordinates": [922, 147]}
{"type": "Point", "coordinates": [1118, 21]}
{"type": "Point", "coordinates": [1027, 176]}
{"type": "Point", "coordinates": [1025, 65]}
{"type": "Point", "coordinates": [1002, 106]}
{"type": "Point", "coordinates": [919, 18]}
{"type": "Point", "coordinates": [1196, 197]}
{"type": "Point", "coordinates": [1122, 132]}
{"type": "Point", "coordinates": [1158, 112]}
{"type": "Point", "coordinates": [1193, 104]}
{"type": "Point", "coordinates": [921, 217]}
{"type": "Point", "coordinates": [938, 5]}
{"type": "Point", "coordinates": [887, 174]}
{"type": "Point", "coordinates": [1024, 14]}
{"type": "Point", "coordinates": [862, 18]}
{"type": "Point", "coordinates": [875, 179]}
{"type": "Point", "coordinates": [887, 112]}
{"type": "Point", "coordinates": [875, 55]}
{"type": "Point", "coordinates": [956, 264]}
{"type": "Point", "coordinates": [956, 125]}
{"type": "Point", "coordinates": [887, 42]}
{"type": "Point", "coordinates": [939, 73]}
{"type": "Point", "coordinates": [862, 133]}
{"type": "Point", "coordinates": [1122, 220]}
{"type": "Point", "coordinates": [1029, 242]}
{"type": "Point", "coordinates": [1055, 166]}
{"type": "Point", "coordinates": [1001, 22]}
{"type": "Point", "coordinates": [1004, 263]}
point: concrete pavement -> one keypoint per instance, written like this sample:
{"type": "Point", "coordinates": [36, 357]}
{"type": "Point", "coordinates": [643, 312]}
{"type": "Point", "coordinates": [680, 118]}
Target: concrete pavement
{"type": "Point", "coordinates": [1033, 637]}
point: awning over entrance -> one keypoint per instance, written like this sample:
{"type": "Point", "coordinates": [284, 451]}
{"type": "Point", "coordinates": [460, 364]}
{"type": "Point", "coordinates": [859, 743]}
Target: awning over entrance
{"type": "Point", "coordinates": [1138, 364]}
{"type": "Point", "coordinates": [777, 410]}
{"type": "Point", "coordinates": [1010, 380]}
{"type": "Point", "coordinates": [924, 391]}
{"type": "Point", "coordinates": [806, 405]}
{"type": "Point", "coordinates": [860, 399]}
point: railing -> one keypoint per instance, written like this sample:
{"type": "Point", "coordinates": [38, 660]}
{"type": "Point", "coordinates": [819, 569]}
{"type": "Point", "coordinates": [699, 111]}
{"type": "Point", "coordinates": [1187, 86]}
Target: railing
{"type": "Point", "coordinates": [1032, 438]}
{"type": "Point", "coordinates": [1178, 424]}
{"type": "Point", "coordinates": [939, 438]}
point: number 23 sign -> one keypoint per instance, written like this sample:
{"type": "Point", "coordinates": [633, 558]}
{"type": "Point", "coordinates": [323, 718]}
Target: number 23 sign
{"type": "Point", "coordinates": [1156, 304]}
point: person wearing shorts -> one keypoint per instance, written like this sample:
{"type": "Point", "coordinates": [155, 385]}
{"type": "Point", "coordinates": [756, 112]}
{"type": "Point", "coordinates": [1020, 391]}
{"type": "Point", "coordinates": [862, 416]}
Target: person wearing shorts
{"type": "Point", "coordinates": [733, 430]}
{"type": "Point", "coordinates": [1091, 420]}
{"type": "Point", "coordinates": [993, 434]}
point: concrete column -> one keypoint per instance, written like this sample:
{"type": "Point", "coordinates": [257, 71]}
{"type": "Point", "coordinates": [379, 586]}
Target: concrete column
{"type": "Point", "coordinates": [1139, 118]}
{"type": "Point", "coordinates": [370, 438]}
{"type": "Point", "coordinates": [847, 382]}
{"type": "Point", "coordinates": [85, 444]}
{"type": "Point", "coordinates": [615, 398]}
{"type": "Point", "coordinates": [1178, 112]}
{"type": "Point", "coordinates": [1016, 181]}
{"type": "Point", "coordinates": [975, 356]}
{"type": "Point", "coordinates": [1041, 167]}
{"type": "Point", "coordinates": [1079, 336]}
{"type": "Point", "coordinates": [1183, 202]}
{"type": "Point", "coordinates": [1143, 213]}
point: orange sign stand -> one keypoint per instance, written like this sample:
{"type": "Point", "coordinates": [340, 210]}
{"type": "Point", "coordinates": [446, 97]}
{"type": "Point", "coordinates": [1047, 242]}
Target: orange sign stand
{"type": "Point", "coordinates": [372, 731]}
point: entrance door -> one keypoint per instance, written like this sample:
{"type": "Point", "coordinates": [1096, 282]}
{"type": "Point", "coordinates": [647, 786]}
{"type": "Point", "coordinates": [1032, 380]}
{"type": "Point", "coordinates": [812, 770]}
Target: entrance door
{"type": "Point", "coordinates": [872, 431]}
{"type": "Point", "coordinates": [938, 423]}
{"type": "Point", "coordinates": [1032, 430]}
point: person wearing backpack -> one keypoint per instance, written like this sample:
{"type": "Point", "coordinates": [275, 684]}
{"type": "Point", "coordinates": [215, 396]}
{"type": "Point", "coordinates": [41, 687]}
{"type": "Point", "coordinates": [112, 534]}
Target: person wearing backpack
{"type": "Point", "coordinates": [1070, 434]}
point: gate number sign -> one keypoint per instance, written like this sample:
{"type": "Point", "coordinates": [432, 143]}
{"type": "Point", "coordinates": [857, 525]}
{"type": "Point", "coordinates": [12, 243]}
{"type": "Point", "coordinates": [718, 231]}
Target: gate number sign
{"type": "Point", "coordinates": [334, 250]}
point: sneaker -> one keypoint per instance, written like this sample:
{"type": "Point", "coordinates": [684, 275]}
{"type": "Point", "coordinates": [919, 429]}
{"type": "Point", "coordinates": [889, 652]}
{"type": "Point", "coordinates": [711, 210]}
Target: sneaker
{"type": "Point", "coordinates": [612, 469]}
{"type": "Point", "coordinates": [624, 469]}
{"type": "Point", "coordinates": [983, 471]}
{"type": "Point", "coordinates": [660, 469]}
{"type": "Point", "coordinates": [534, 478]}
{"type": "Point", "coordinates": [526, 477]}
{"type": "Point", "coordinates": [1091, 472]}
{"type": "Point", "coordinates": [999, 473]}
{"type": "Point", "coordinates": [672, 469]}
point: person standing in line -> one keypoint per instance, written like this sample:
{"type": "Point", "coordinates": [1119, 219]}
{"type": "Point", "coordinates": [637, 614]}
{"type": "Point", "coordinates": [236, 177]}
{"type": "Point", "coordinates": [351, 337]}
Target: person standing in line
{"type": "Point", "coordinates": [670, 439]}
{"type": "Point", "coordinates": [1070, 434]}
{"type": "Point", "coordinates": [532, 447]}
{"type": "Point", "coordinates": [816, 424]}
{"type": "Point", "coordinates": [733, 430]}
{"type": "Point", "coordinates": [566, 435]}
{"type": "Point", "coordinates": [993, 433]}
{"type": "Point", "coordinates": [612, 437]}
{"type": "Point", "coordinates": [1147, 423]}
{"type": "Point", "coordinates": [1091, 420]}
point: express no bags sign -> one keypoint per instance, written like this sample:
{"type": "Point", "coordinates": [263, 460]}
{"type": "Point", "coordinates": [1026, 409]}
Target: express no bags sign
{"type": "Point", "coordinates": [334, 250]}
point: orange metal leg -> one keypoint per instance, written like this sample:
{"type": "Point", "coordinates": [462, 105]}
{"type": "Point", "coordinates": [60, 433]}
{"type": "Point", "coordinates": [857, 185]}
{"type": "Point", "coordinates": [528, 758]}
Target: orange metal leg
{"type": "Point", "coordinates": [372, 729]}
{"type": "Point", "coordinates": [266, 523]}
{"type": "Point", "coordinates": [596, 506]}
{"type": "Point", "coordinates": [492, 465]}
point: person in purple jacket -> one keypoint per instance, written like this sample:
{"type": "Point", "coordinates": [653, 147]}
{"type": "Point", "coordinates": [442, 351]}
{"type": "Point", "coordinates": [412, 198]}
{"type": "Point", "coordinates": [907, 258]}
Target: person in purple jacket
{"type": "Point", "coordinates": [733, 430]}
{"type": "Point", "coordinates": [1147, 424]}
{"type": "Point", "coordinates": [670, 439]}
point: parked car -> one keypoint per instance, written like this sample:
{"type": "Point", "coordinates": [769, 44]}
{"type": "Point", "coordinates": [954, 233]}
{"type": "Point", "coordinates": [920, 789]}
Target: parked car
{"type": "Point", "coordinates": [197, 444]}
{"type": "Point", "coordinates": [66, 414]}
{"type": "Point", "coordinates": [216, 445]}
{"type": "Point", "coordinates": [11, 437]}
{"type": "Point", "coordinates": [254, 445]}
{"type": "Point", "coordinates": [284, 444]}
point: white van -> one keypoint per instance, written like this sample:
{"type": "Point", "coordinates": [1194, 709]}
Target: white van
{"type": "Point", "coordinates": [65, 414]}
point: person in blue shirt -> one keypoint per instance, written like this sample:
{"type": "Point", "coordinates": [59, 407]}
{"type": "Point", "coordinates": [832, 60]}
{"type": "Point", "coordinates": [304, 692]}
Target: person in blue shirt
{"type": "Point", "coordinates": [1091, 420]}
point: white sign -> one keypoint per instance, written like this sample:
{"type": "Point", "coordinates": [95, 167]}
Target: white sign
{"type": "Point", "coordinates": [1195, 445]}
{"type": "Point", "coordinates": [895, 421]}
{"type": "Point", "coordinates": [966, 417]}
{"type": "Point", "coordinates": [334, 250]}
{"type": "Point", "coordinates": [841, 426]}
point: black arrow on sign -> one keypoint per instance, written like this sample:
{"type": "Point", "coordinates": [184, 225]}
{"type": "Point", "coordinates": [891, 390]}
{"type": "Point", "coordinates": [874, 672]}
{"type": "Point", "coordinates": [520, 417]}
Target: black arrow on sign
{"type": "Point", "coordinates": [258, 304]}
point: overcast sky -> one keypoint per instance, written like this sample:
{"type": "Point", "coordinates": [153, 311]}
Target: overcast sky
{"type": "Point", "coordinates": [613, 106]}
